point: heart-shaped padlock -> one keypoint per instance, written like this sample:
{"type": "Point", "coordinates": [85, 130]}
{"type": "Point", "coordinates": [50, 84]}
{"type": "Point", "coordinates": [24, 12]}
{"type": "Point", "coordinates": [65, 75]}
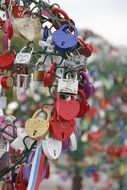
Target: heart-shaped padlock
{"type": "Point", "coordinates": [37, 128]}
{"type": "Point", "coordinates": [86, 84]}
{"type": "Point", "coordinates": [61, 129]}
{"type": "Point", "coordinates": [7, 81]}
{"type": "Point", "coordinates": [49, 76]}
{"type": "Point", "coordinates": [7, 60]}
{"type": "Point", "coordinates": [51, 147]}
{"type": "Point", "coordinates": [23, 57]}
{"type": "Point", "coordinates": [84, 105]}
{"type": "Point", "coordinates": [67, 109]}
{"type": "Point", "coordinates": [64, 40]}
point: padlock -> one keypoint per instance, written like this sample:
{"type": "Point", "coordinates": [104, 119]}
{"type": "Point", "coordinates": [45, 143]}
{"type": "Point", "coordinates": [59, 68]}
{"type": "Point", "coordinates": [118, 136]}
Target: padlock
{"type": "Point", "coordinates": [86, 84]}
{"type": "Point", "coordinates": [64, 40]}
{"type": "Point", "coordinates": [49, 77]}
{"type": "Point", "coordinates": [51, 147]}
{"type": "Point", "coordinates": [38, 75]}
{"type": "Point", "coordinates": [20, 184]}
{"type": "Point", "coordinates": [61, 129]}
{"type": "Point", "coordinates": [75, 62]}
{"type": "Point", "coordinates": [7, 60]}
{"type": "Point", "coordinates": [84, 105]}
{"type": "Point", "coordinates": [27, 27]}
{"type": "Point", "coordinates": [8, 127]}
{"type": "Point", "coordinates": [22, 81]}
{"type": "Point", "coordinates": [3, 99]}
{"type": "Point", "coordinates": [37, 128]}
{"type": "Point", "coordinates": [63, 17]}
{"type": "Point", "coordinates": [67, 109]}
{"type": "Point", "coordinates": [73, 142]}
{"type": "Point", "coordinates": [68, 85]}
{"type": "Point", "coordinates": [95, 134]}
{"type": "Point", "coordinates": [23, 57]}
{"type": "Point", "coordinates": [7, 81]}
{"type": "Point", "coordinates": [85, 49]}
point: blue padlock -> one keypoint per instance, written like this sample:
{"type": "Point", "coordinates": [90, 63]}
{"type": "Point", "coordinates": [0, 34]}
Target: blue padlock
{"type": "Point", "coordinates": [63, 38]}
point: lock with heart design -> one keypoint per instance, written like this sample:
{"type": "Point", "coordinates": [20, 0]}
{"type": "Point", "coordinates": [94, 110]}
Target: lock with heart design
{"type": "Point", "coordinates": [69, 84]}
{"type": "Point", "coordinates": [67, 109]}
{"type": "Point", "coordinates": [36, 128]}
{"type": "Point", "coordinates": [7, 60]}
{"type": "Point", "coordinates": [7, 81]}
{"type": "Point", "coordinates": [24, 57]}
{"type": "Point", "coordinates": [86, 84]}
{"type": "Point", "coordinates": [49, 76]}
{"type": "Point", "coordinates": [27, 27]}
{"type": "Point", "coordinates": [84, 105]}
{"type": "Point", "coordinates": [51, 147]}
{"type": "Point", "coordinates": [63, 38]}
{"type": "Point", "coordinates": [61, 129]}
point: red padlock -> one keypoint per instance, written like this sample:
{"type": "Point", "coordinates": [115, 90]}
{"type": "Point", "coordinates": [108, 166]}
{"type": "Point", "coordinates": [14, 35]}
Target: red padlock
{"type": "Point", "coordinates": [7, 60]}
{"type": "Point", "coordinates": [10, 30]}
{"type": "Point", "coordinates": [85, 49]}
{"type": "Point", "coordinates": [95, 136]}
{"type": "Point", "coordinates": [49, 77]}
{"type": "Point", "coordinates": [114, 152]}
{"type": "Point", "coordinates": [7, 82]}
{"type": "Point", "coordinates": [17, 11]}
{"type": "Point", "coordinates": [1, 24]}
{"type": "Point", "coordinates": [63, 17]}
{"type": "Point", "coordinates": [67, 109]}
{"type": "Point", "coordinates": [61, 129]}
{"type": "Point", "coordinates": [84, 105]}
{"type": "Point", "coordinates": [20, 185]}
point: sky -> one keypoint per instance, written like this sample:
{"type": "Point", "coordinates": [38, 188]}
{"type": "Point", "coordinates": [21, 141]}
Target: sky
{"type": "Point", "coordinates": [106, 17]}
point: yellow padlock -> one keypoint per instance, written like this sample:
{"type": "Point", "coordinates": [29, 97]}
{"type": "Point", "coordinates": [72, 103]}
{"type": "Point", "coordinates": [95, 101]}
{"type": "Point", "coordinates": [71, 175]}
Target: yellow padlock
{"type": "Point", "coordinates": [37, 128]}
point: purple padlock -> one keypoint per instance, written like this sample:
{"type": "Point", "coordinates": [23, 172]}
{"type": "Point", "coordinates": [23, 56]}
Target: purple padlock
{"type": "Point", "coordinates": [86, 84]}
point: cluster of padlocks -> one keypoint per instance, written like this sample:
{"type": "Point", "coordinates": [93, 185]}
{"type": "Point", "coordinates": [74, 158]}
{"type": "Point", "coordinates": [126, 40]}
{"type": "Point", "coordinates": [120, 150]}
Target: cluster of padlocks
{"type": "Point", "coordinates": [55, 56]}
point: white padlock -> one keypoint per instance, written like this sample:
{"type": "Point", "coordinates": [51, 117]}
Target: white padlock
{"type": "Point", "coordinates": [68, 85]}
{"type": "Point", "coordinates": [23, 58]}
{"type": "Point", "coordinates": [3, 99]}
{"type": "Point", "coordinates": [51, 147]}
{"type": "Point", "coordinates": [73, 142]}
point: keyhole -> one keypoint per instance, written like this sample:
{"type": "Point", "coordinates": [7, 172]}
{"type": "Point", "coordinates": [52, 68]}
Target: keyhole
{"type": "Point", "coordinates": [62, 135]}
{"type": "Point", "coordinates": [62, 43]}
{"type": "Point", "coordinates": [34, 132]}
{"type": "Point", "coordinates": [54, 152]}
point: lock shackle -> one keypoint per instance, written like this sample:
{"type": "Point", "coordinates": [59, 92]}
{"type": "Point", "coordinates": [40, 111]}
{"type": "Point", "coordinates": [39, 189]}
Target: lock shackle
{"type": "Point", "coordinates": [26, 47]}
{"type": "Point", "coordinates": [66, 74]}
{"type": "Point", "coordinates": [58, 97]}
{"type": "Point", "coordinates": [64, 28]}
{"type": "Point", "coordinates": [82, 95]}
{"type": "Point", "coordinates": [85, 77]}
{"type": "Point", "coordinates": [57, 10]}
{"type": "Point", "coordinates": [45, 110]}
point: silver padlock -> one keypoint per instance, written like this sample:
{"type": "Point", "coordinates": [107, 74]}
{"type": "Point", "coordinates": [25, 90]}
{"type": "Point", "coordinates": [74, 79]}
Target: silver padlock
{"type": "Point", "coordinates": [68, 85]}
{"type": "Point", "coordinates": [76, 62]}
{"type": "Point", "coordinates": [3, 99]}
{"type": "Point", "coordinates": [23, 57]}
{"type": "Point", "coordinates": [22, 81]}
